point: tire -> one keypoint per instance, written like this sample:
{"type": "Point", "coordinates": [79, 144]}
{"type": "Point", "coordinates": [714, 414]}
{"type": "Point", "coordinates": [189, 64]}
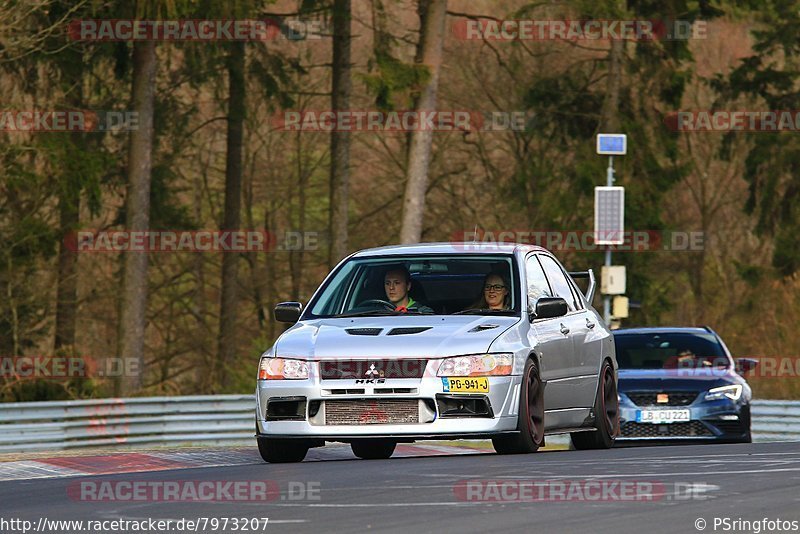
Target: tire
{"type": "Point", "coordinates": [530, 422]}
{"type": "Point", "coordinates": [606, 409]}
{"type": "Point", "coordinates": [373, 449]}
{"type": "Point", "coordinates": [281, 451]}
{"type": "Point", "coordinates": [745, 417]}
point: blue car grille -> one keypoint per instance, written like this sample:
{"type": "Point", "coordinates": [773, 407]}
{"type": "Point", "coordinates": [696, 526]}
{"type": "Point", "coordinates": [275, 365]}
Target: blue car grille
{"type": "Point", "coordinates": [672, 430]}
{"type": "Point", "coordinates": [650, 398]}
{"type": "Point", "coordinates": [729, 427]}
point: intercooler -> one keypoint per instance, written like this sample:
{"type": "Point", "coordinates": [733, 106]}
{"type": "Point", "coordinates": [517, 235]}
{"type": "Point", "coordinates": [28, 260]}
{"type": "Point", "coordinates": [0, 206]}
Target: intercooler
{"type": "Point", "coordinates": [371, 411]}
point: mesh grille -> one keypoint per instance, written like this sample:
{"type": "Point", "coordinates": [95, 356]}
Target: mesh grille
{"type": "Point", "coordinates": [729, 427]}
{"type": "Point", "coordinates": [672, 430]}
{"type": "Point", "coordinates": [675, 398]}
{"type": "Point", "coordinates": [363, 331]}
{"type": "Point", "coordinates": [371, 412]}
{"type": "Point", "coordinates": [407, 330]}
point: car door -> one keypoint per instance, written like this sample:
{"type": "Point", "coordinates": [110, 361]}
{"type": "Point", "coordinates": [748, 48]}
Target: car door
{"type": "Point", "coordinates": [589, 337]}
{"type": "Point", "coordinates": [549, 342]}
{"type": "Point", "coordinates": [582, 373]}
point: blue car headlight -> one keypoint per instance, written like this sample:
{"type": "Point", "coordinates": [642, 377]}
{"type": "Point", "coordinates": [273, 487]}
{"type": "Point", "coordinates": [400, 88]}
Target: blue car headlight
{"type": "Point", "coordinates": [732, 392]}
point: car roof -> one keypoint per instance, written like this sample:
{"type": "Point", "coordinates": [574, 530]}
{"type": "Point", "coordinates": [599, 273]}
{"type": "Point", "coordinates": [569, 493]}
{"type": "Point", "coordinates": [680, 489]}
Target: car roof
{"type": "Point", "coordinates": [449, 248]}
{"type": "Point", "coordinates": [665, 330]}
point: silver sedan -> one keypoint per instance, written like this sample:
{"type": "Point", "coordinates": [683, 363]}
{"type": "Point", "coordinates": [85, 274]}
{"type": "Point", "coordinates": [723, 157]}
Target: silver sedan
{"type": "Point", "coordinates": [439, 341]}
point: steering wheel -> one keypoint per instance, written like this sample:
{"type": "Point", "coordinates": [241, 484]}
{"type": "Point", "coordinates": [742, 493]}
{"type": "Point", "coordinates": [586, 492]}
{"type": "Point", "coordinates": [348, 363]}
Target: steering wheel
{"type": "Point", "coordinates": [386, 304]}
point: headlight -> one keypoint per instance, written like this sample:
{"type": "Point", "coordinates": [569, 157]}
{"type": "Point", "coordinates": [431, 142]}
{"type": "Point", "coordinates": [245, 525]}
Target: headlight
{"type": "Point", "coordinates": [477, 365]}
{"type": "Point", "coordinates": [732, 392]}
{"type": "Point", "coordinates": [282, 369]}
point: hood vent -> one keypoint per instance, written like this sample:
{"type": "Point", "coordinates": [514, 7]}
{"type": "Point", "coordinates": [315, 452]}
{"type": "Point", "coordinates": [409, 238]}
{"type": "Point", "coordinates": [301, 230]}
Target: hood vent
{"type": "Point", "coordinates": [485, 326]}
{"type": "Point", "coordinates": [364, 331]}
{"type": "Point", "coordinates": [407, 330]}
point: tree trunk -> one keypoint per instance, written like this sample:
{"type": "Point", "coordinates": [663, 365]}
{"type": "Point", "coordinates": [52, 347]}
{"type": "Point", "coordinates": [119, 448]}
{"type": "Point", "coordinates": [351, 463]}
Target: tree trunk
{"type": "Point", "coordinates": [297, 249]}
{"type": "Point", "coordinates": [67, 294]}
{"type": "Point", "coordinates": [609, 120]}
{"type": "Point", "coordinates": [271, 276]}
{"type": "Point", "coordinates": [69, 209]}
{"type": "Point", "coordinates": [232, 217]}
{"type": "Point", "coordinates": [340, 141]}
{"type": "Point", "coordinates": [130, 342]}
{"type": "Point", "coordinates": [432, 31]}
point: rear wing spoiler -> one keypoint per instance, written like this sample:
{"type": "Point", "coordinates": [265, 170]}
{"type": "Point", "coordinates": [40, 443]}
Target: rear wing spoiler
{"type": "Point", "coordinates": [592, 284]}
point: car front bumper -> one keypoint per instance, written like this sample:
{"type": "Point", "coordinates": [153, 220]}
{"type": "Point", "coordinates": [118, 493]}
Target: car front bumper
{"type": "Point", "coordinates": [709, 420]}
{"type": "Point", "coordinates": [368, 417]}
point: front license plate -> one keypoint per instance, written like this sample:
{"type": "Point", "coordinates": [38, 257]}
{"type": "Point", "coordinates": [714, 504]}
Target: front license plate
{"type": "Point", "coordinates": [663, 416]}
{"type": "Point", "coordinates": [466, 385]}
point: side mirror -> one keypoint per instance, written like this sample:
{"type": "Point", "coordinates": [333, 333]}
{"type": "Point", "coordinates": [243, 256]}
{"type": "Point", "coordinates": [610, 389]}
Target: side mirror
{"type": "Point", "coordinates": [288, 312]}
{"type": "Point", "coordinates": [745, 365]}
{"type": "Point", "coordinates": [549, 307]}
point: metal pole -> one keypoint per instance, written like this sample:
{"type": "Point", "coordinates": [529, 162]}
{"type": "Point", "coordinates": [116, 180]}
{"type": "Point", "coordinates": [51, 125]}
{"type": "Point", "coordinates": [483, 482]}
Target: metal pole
{"type": "Point", "coordinates": [607, 298]}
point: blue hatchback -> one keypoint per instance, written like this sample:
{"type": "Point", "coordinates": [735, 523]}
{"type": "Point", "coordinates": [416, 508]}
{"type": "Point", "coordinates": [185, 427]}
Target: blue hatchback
{"type": "Point", "coordinates": [681, 384]}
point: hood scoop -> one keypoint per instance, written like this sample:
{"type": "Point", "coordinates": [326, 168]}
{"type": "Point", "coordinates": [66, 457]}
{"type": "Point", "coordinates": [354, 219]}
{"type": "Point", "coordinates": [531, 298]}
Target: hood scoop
{"type": "Point", "coordinates": [484, 326]}
{"type": "Point", "coordinates": [407, 330]}
{"type": "Point", "coordinates": [364, 331]}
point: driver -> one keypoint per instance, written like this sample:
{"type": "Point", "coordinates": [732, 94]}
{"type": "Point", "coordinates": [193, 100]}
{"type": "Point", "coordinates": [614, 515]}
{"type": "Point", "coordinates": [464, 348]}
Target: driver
{"type": "Point", "coordinates": [397, 284]}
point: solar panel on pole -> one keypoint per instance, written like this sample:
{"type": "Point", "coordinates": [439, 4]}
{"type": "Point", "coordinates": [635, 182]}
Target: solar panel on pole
{"type": "Point", "coordinates": [609, 215]}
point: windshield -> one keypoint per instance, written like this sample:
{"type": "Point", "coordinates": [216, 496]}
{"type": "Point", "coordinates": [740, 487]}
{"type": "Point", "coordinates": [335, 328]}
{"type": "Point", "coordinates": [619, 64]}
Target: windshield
{"type": "Point", "coordinates": [423, 285]}
{"type": "Point", "coordinates": [669, 351]}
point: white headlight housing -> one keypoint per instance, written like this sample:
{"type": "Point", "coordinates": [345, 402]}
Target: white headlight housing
{"type": "Point", "coordinates": [477, 365]}
{"type": "Point", "coordinates": [282, 369]}
{"type": "Point", "coordinates": [732, 392]}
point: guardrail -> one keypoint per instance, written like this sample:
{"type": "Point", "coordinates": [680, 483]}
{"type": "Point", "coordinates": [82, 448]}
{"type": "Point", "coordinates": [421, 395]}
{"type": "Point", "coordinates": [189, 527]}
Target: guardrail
{"type": "Point", "coordinates": [215, 420]}
{"type": "Point", "coordinates": [775, 420]}
{"type": "Point", "coordinates": [59, 425]}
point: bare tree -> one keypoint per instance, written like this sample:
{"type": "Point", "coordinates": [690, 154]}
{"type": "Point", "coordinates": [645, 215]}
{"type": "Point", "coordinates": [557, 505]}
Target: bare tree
{"type": "Point", "coordinates": [232, 217]}
{"type": "Point", "coordinates": [609, 117]}
{"type": "Point", "coordinates": [433, 14]}
{"type": "Point", "coordinates": [67, 293]}
{"type": "Point", "coordinates": [340, 141]}
{"type": "Point", "coordinates": [140, 162]}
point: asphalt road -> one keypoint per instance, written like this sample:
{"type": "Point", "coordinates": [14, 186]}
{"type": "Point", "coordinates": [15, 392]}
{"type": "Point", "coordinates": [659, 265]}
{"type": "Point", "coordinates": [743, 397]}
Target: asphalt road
{"type": "Point", "coordinates": [674, 486]}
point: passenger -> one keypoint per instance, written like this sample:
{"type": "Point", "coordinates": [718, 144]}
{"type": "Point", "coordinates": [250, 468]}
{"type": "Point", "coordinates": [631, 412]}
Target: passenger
{"type": "Point", "coordinates": [495, 294]}
{"type": "Point", "coordinates": [397, 284]}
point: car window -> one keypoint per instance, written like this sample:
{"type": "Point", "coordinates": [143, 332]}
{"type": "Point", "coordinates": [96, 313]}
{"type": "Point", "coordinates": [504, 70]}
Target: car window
{"type": "Point", "coordinates": [337, 293]}
{"type": "Point", "coordinates": [558, 281]}
{"type": "Point", "coordinates": [537, 283]}
{"type": "Point", "coordinates": [669, 350]}
{"type": "Point", "coordinates": [441, 284]}
{"type": "Point", "coordinates": [576, 293]}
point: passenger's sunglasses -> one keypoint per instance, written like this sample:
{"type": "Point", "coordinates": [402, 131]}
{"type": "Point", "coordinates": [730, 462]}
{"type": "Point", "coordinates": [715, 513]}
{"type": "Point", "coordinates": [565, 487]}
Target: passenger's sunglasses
{"type": "Point", "coordinates": [496, 287]}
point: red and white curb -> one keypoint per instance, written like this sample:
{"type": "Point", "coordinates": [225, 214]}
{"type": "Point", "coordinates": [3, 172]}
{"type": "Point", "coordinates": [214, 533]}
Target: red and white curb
{"type": "Point", "coordinates": [139, 462]}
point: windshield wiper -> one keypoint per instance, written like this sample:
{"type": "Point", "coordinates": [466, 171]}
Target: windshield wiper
{"type": "Point", "coordinates": [484, 311]}
{"type": "Point", "coordinates": [378, 313]}
{"type": "Point", "coordinates": [366, 313]}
